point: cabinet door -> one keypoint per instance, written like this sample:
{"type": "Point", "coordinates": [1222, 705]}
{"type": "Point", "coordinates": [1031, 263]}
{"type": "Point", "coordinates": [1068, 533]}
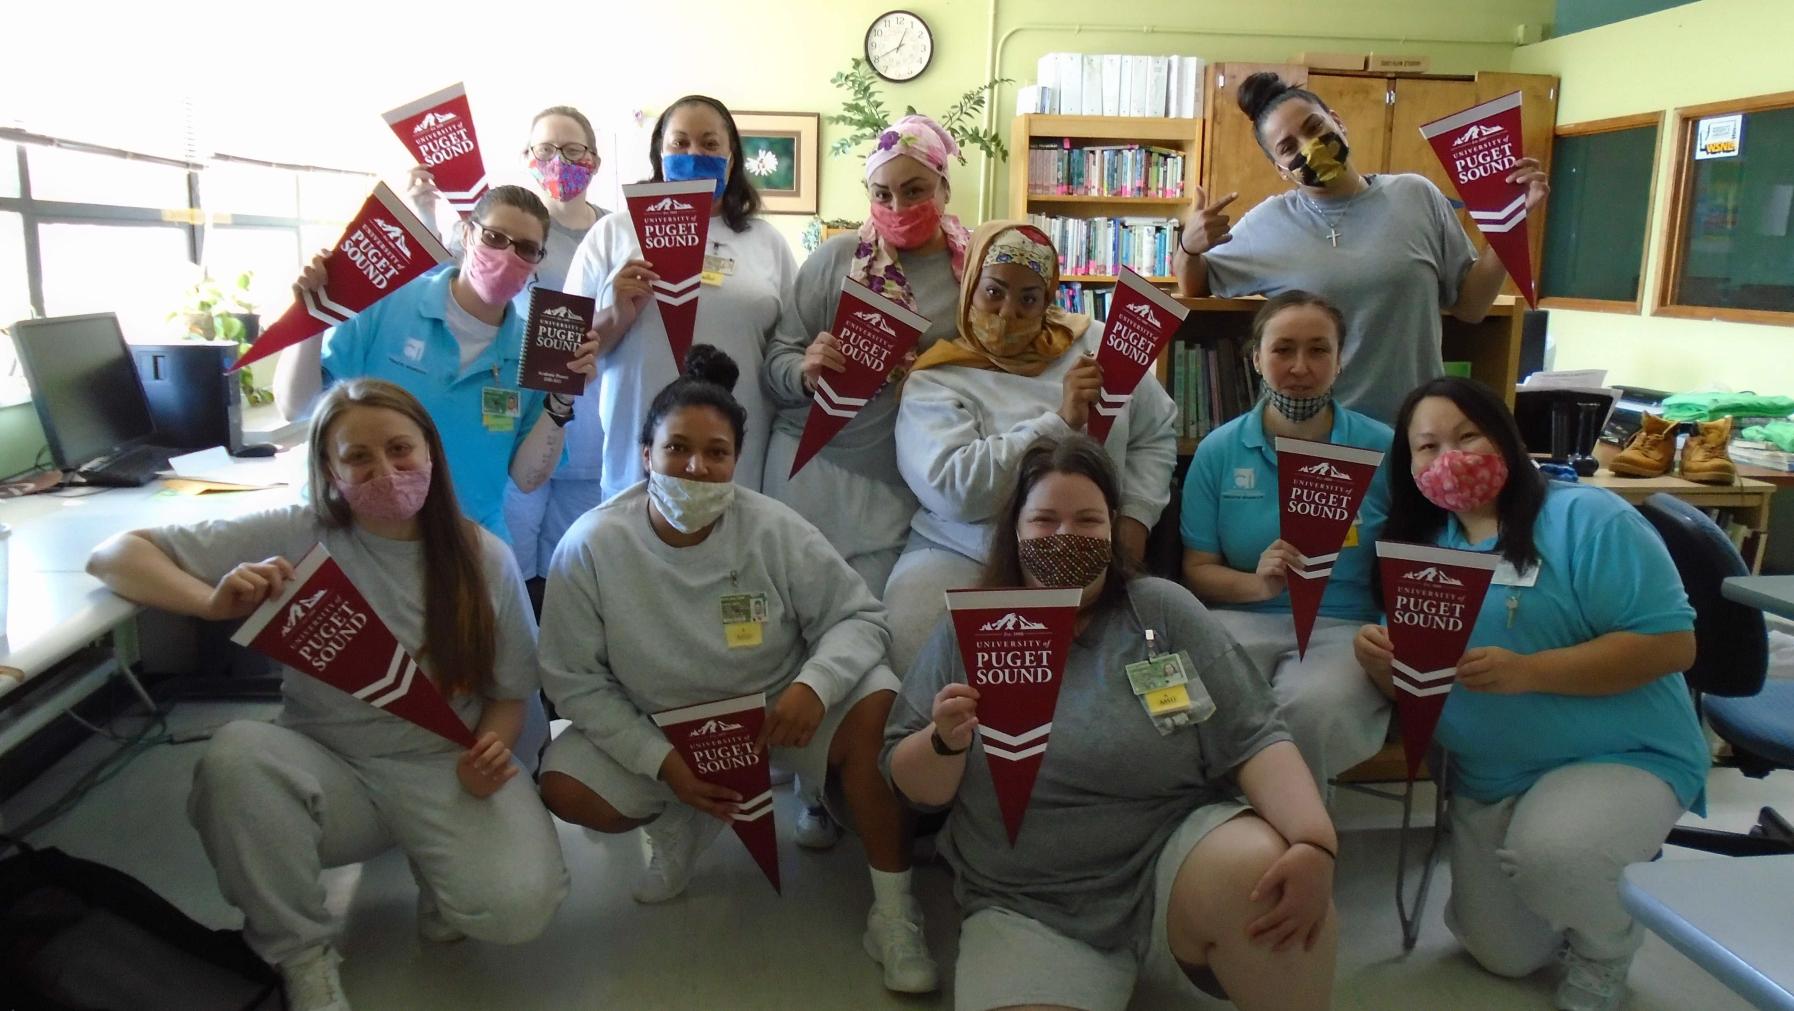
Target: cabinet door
{"type": "Point", "coordinates": [1418, 102]}
{"type": "Point", "coordinates": [1232, 160]}
{"type": "Point", "coordinates": [1361, 104]}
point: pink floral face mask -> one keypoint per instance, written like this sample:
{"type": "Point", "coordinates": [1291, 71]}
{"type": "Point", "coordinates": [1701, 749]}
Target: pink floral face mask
{"type": "Point", "coordinates": [398, 495]}
{"type": "Point", "coordinates": [1459, 481]}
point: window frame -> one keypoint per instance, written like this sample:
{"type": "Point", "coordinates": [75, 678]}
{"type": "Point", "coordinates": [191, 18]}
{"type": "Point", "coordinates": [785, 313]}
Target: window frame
{"type": "Point", "coordinates": [1674, 248]}
{"type": "Point", "coordinates": [1636, 306]}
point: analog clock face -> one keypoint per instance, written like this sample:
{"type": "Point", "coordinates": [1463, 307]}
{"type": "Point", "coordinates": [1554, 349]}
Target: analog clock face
{"type": "Point", "coordinates": [899, 46]}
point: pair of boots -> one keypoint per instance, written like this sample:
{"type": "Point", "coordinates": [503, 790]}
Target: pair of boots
{"type": "Point", "coordinates": [1652, 452]}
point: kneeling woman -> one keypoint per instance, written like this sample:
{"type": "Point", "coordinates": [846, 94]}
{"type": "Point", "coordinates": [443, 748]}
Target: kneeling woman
{"type": "Point", "coordinates": [333, 780]}
{"type": "Point", "coordinates": [681, 545]}
{"type": "Point", "coordinates": [1574, 747]}
{"type": "Point", "coordinates": [1137, 855]}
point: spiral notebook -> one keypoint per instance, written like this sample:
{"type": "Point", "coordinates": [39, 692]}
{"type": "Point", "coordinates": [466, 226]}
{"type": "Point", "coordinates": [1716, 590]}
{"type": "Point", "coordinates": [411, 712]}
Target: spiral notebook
{"type": "Point", "coordinates": [552, 334]}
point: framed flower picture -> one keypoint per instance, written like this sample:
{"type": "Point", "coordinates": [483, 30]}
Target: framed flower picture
{"type": "Point", "coordinates": [781, 154]}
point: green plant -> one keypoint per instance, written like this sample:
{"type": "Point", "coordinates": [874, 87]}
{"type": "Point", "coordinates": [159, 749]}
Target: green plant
{"type": "Point", "coordinates": [211, 312]}
{"type": "Point", "coordinates": [864, 113]}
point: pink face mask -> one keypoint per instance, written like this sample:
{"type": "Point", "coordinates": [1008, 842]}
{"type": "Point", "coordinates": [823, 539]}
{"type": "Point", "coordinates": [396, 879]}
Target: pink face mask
{"type": "Point", "coordinates": [561, 180]}
{"type": "Point", "coordinates": [391, 497]}
{"type": "Point", "coordinates": [908, 228]}
{"type": "Point", "coordinates": [497, 275]}
{"type": "Point", "coordinates": [1457, 481]}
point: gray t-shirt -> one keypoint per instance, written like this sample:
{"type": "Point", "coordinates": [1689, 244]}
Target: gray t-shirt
{"type": "Point", "coordinates": [1400, 258]}
{"type": "Point", "coordinates": [1110, 790]}
{"type": "Point", "coordinates": [390, 574]}
{"type": "Point", "coordinates": [866, 445]}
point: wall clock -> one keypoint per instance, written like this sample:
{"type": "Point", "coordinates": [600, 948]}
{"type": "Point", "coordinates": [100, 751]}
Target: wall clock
{"type": "Point", "coordinates": [899, 46]}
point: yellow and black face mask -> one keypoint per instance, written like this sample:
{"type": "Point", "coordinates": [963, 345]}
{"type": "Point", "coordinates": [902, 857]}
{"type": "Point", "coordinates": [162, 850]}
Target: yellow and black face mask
{"type": "Point", "coordinates": [1320, 160]}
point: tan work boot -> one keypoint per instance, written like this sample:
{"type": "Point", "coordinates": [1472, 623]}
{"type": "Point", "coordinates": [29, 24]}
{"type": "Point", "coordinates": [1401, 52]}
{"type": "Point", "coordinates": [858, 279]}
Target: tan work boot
{"type": "Point", "coordinates": [1650, 452]}
{"type": "Point", "coordinates": [1704, 455]}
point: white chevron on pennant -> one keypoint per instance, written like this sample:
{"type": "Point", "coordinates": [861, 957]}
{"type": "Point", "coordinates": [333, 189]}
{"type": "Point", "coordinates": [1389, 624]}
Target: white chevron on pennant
{"type": "Point", "coordinates": [665, 299]}
{"type": "Point", "coordinates": [1519, 203]}
{"type": "Point", "coordinates": [755, 808]}
{"type": "Point", "coordinates": [329, 312]}
{"type": "Point", "coordinates": [388, 679]}
{"type": "Point", "coordinates": [1313, 573]}
{"type": "Point", "coordinates": [1014, 756]}
{"type": "Point", "coordinates": [1428, 676]}
{"type": "Point", "coordinates": [678, 286]}
{"type": "Point", "coordinates": [471, 195]}
{"type": "Point", "coordinates": [404, 686]}
{"type": "Point", "coordinates": [822, 386]}
{"type": "Point", "coordinates": [1015, 740]}
{"type": "Point", "coordinates": [1422, 692]}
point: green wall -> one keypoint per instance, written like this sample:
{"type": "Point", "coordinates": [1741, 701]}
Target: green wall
{"type": "Point", "coordinates": [20, 438]}
{"type": "Point", "coordinates": [1707, 51]}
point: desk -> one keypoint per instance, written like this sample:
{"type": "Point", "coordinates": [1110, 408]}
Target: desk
{"type": "Point", "coordinates": [1733, 916]}
{"type": "Point", "coordinates": [1774, 594]}
{"type": "Point", "coordinates": [1747, 500]}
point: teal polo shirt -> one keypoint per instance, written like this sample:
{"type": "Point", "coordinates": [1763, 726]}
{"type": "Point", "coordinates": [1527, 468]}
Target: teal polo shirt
{"type": "Point", "coordinates": [1602, 569]}
{"type": "Point", "coordinates": [404, 339]}
{"type": "Point", "coordinates": [1230, 508]}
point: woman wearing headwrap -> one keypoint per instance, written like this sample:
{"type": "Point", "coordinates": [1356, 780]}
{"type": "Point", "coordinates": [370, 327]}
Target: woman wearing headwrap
{"type": "Point", "coordinates": [913, 253]}
{"type": "Point", "coordinates": [1019, 369]}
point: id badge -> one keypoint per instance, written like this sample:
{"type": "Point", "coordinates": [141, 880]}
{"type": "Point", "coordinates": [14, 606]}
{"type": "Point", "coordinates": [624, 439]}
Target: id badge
{"type": "Point", "coordinates": [1507, 575]}
{"type": "Point", "coordinates": [1168, 692]}
{"type": "Point", "coordinates": [1351, 538]}
{"type": "Point", "coordinates": [500, 407]}
{"type": "Point", "coordinates": [744, 619]}
{"type": "Point", "coordinates": [716, 268]}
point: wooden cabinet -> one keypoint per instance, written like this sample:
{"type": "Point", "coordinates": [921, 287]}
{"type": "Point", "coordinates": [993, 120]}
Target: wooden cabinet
{"type": "Point", "coordinates": [1232, 161]}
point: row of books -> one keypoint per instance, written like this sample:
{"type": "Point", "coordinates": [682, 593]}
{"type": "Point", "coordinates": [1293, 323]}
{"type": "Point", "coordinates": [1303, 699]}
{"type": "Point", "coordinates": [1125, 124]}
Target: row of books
{"type": "Point", "coordinates": [1105, 245]}
{"type": "Point", "coordinates": [1090, 299]}
{"type": "Point", "coordinates": [1211, 383]}
{"type": "Point", "coordinates": [1105, 170]}
{"type": "Point", "coordinates": [1086, 84]}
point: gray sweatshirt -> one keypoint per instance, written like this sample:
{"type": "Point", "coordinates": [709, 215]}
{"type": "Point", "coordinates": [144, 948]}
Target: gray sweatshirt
{"type": "Point", "coordinates": [961, 431]}
{"type": "Point", "coordinates": [648, 636]}
{"type": "Point", "coordinates": [865, 446]}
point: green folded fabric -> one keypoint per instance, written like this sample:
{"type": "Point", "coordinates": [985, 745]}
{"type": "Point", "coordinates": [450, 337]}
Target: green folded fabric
{"type": "Point", "coordinates": [1713, 406]}
{"type": "Point", "coordinates": [1781, 433]}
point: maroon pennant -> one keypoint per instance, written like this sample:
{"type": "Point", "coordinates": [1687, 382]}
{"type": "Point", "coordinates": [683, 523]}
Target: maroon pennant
{"type": "Point", "coordinates": [1478, 148]}
{"type": "Point", "coordinates": [1321, 487]}
{"type": "Point", "coordinates": [1141, 320]}
{"type": "Point", "coordinates": [438, 131]}
{"type": "Point", "coordinates": [874, 333]}
{"type": "Point", "coordinates": [672, 223]}
{"type": "Point", "coordinates": [718, 740]}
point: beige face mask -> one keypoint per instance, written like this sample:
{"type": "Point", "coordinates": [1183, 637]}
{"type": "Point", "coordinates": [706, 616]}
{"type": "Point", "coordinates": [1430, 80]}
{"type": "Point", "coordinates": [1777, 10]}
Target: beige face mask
{"type": "Point", "coordinates": [1002, 337]}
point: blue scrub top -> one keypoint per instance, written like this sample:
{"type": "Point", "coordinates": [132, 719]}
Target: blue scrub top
{"type": "Point", "coordinates": [404, 339]}
{"type": "Point", "coordinates": [1602, 569]}
{"type": "Point", "coordinates": [1230, 508]}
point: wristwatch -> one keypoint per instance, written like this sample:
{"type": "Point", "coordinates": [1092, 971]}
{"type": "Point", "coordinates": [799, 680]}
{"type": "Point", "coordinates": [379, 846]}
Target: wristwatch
{"type": "Point", "coordinates": [559, 407]}
{"type": "Point", "coordinates": [940, 746]}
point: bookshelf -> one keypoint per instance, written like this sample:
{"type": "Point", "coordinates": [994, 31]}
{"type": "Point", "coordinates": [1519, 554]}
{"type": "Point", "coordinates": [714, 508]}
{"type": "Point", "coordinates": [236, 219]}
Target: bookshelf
{"type": "Point", "coordinates": [1491, 346]}
{"type": "Point", "coordinates": [1180, 136]}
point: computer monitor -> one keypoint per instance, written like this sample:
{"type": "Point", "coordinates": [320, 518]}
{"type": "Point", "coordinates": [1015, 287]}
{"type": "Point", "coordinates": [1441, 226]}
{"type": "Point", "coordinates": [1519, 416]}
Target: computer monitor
{"type": "Point", "coordinates": [85, 387]}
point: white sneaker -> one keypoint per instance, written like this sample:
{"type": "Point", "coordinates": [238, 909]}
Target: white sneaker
{"type": "Point", "coordinates": [817, 829]}
{"type": "Point", "coordinates": [430, 924]}
{"type": "Point", "coordinates": [311, 981]}
{"type": "Point", "coordinates": [898, 944]}
{"type": "Point", "coordinates": [1591, 984]}
{"type": "Point", "coordinates": [674, 840]}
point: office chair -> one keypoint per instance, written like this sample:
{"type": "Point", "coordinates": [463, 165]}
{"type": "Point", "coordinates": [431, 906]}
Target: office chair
{"type": "Point", "coordinates": [1727, 678]}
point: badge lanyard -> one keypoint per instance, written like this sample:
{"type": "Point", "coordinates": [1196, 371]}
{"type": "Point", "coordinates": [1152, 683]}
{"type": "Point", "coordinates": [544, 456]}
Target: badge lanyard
{"type": "Point", "coordinates": [1166, 686]}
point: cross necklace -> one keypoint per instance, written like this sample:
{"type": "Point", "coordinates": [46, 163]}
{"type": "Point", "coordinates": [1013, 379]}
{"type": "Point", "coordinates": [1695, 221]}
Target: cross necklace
{"type": "Point", "coordinates": [1332, 223]}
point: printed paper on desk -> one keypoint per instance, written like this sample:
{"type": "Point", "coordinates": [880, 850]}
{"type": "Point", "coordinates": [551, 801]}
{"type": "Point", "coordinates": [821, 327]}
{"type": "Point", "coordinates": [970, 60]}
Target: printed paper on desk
{"type": "Point", "coordinates": [438, 131]}
{"type": "Point", "coordinates": [1433, 596]}
{"type": "Point", "coordinates": [1478, 148]}
{"type": "Point", "coordinates": [672, 224]}
{"type": "Point", "coordinates": [1321, 487]}
{"type": "Point", "coordinates": [1141, 320]}
{"type": "Point", "coordinates": [717, 741]}
{"type": "Point", "coordinates": [1014, 644]}
{"type": "Point", "coordinates": [384, 248]}
{"type": "Point", "coordinates": [874, 334]}
{"type": "Point", "coordinates": [323, 626]}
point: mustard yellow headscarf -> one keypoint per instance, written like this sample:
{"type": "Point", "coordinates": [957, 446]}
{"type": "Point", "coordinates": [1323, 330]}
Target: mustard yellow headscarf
{"type": "Point", "coordinates": [1009, 242]}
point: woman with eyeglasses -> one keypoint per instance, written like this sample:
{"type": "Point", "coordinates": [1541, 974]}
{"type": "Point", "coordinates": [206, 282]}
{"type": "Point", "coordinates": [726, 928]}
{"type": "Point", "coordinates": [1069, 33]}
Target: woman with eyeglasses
{"type": "Point", "coordinates": [453, 338]}
{"type": "Point", "coordinates": [749, 271]}
{"type": "Point", "coordinates": [562, 157]}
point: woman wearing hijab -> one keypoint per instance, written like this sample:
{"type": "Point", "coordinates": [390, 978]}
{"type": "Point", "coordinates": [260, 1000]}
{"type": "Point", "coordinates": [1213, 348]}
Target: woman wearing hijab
{"type": "Point", "coordinates": [1019, 369]}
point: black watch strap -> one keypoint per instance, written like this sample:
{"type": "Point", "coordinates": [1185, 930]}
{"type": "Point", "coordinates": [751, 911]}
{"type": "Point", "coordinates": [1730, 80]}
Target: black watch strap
{"type": "Point", "coordinates": [940, 746]}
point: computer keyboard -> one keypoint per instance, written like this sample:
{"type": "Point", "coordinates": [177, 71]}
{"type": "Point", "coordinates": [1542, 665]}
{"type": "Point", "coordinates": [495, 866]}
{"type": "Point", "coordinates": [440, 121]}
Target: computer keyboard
{"type": "Point", "coordinates": [133, 468]}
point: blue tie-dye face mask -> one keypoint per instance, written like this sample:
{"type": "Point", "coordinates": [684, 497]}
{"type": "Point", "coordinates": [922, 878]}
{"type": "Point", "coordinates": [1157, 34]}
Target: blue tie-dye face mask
{"type": "Point", "coordinates": [680, 167]}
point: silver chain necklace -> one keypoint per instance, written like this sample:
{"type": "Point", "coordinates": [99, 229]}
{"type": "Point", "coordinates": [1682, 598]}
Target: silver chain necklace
{"type": "Point", "coordinates": [1332, 223]}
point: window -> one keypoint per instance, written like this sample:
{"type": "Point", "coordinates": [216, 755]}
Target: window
{"type": "Point", "coordinates": [80, 177]}
{"type": "Point", "coordinates": [1729, 252]}
{"type": "Point", "coordinates": [137, 271]}
{"type": "Point", "coordinates": [235, 189]}
{"type": "Point", "coordinates": [9, 170]}
{"type": "Point", "coordinates": [1601, 181]}
{"type": "Point", "coordinates": [270, 254]}
{"type": "Point", "coordinates": [15, 303]}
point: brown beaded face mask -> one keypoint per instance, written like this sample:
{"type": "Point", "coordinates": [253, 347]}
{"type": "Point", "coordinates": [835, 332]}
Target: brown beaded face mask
{"type": "Point", "coordinates": [1064, 559]}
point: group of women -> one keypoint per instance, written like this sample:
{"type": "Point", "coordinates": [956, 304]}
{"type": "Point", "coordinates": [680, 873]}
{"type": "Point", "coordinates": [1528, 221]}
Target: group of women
{"type": "Point", "coordinates": [675, 563]}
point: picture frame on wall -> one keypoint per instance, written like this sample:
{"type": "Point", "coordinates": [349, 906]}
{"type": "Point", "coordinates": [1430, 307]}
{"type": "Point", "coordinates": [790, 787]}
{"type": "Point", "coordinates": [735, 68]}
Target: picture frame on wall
{"type": "Point", "coordinates": [782, 156]}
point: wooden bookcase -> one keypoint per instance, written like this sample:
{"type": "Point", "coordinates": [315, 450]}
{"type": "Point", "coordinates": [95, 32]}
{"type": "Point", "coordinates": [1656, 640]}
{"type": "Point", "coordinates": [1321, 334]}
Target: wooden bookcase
{"type": "Point", "coordinates": [1184, 135]}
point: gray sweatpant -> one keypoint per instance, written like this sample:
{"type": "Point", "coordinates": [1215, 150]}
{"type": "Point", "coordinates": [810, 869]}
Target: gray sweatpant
{"type": "Point", "coordinates": [274, 807]}
{"type": "Point", "coordinates": [1530, 872]}
{"type": "Point", "coordinates": [1334, 712]}
{"type": "Point", "coordinates": [915, 598]}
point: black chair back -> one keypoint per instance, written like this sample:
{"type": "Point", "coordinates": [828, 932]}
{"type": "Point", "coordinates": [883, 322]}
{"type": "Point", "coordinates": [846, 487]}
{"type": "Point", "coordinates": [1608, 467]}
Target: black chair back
{"type": "Point", "coordinates": [1731, 654]}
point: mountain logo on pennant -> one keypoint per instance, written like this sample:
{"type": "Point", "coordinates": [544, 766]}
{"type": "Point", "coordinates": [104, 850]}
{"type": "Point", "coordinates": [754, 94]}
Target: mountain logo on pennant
{"type": "Point", "coordinates": [709, 727]}
{"type": "Point", "coordinates": [432, 120]}
{"type": "Point", "coordinates": [1431, 574]}
{"type": "Point", "coordinates": [297, 612]}
{"type": "Point", "coordinates": [1321, 487]}
{"type": "Point", "coordinates": [874, 334]}
{"type": "Point", "coordinates": [1477, 132]}
{"type": "Point", "coordinates": [1012, 622]}
{"type": "Point", "coordinates": [669, 204]}
{"type": "Point", "coordinates": [1144, 311]}
{"type": "Point", "coordinates": [394, 235]}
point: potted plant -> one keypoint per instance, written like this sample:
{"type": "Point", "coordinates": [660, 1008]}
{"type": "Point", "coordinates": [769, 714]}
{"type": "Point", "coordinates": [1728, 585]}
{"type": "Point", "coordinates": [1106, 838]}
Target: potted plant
{"type": "Point", "coordinates": [864, 113]}
{"type": "Point", "coordinates": [211, 311]}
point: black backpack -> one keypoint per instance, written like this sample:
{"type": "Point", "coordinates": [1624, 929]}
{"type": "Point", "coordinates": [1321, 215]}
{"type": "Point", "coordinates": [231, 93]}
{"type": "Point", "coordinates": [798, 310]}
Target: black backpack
{"type": "Point", "coordinates": [75, 934]}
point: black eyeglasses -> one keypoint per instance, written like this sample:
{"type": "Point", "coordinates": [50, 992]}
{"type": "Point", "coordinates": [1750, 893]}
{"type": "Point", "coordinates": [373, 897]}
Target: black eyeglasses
{"type": "Point", "coordinates": [568, 152]}
{"type": "Point", "coordinates": [532, 252]}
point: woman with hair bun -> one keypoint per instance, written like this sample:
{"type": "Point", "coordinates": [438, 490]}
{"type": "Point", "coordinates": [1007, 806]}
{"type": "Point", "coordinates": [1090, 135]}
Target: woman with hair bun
{"type": "Point", "coordinates": [1387, 249]}
{"type": "Point", "coordinates": [693, 546]}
